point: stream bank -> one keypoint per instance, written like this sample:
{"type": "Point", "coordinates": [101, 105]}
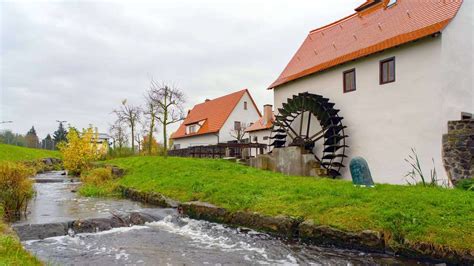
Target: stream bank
{"type": "Point", "coordinates": [306, 231]}
{"type": "Point", "coordinates": [157, 235]}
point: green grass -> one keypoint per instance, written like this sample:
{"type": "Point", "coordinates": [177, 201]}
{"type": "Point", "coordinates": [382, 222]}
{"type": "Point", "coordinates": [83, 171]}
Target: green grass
{"type": "Point", "coordinates": [105, 190]}
{"type": "Point", "coordinates": [16, 153]}
{"type": "Point", "coordinates": [11, 251]}
{"type": "Point", "coordinates": [435, 215]}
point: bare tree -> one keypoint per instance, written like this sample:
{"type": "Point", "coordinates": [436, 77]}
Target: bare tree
{"type": "Point", "coordinates": [140, 134]}
{"type": "Point", "coordinates": [238, 132]}
{"type": "Point", "coordinates": [130, 115]}
{"type": "Point", "coordinates": [151, 113]}
{"type": "Point", "coordinates": [169, 100]}
{"type": "Point", "coordinates": [118, 134]}
{"type": "Point", "coordinates": [138, 140]}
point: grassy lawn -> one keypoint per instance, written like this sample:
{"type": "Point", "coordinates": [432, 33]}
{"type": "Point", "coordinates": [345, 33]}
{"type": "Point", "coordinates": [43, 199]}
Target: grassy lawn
{"type": "Point", "coordinates": [15, 153]}
{"type": "Point", "coordinates": [11, 251]}
{"type": "Point", "coordinates": [435, 215]}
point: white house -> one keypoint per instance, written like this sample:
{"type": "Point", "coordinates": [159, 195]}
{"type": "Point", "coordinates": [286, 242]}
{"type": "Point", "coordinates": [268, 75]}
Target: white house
{"type": "Point", "coordinates": [213, 121]}
{"type": "Point", "coordinates": [398, 71]}
{"type": "Point", "coordinates": [260, 130]}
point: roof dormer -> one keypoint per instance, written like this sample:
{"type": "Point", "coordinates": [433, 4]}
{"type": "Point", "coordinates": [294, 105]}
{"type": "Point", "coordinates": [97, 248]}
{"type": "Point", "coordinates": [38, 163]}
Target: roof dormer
{"type": "Point", "coordinates": [368, 4]}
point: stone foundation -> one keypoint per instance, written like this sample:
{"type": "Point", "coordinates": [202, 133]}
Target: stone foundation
{"type": "Point", "coordinates": [289, 161]}
{"type": "Point", "coordinates": [306, 230]}
{"type": "Point", "coordinates": [458, 150]}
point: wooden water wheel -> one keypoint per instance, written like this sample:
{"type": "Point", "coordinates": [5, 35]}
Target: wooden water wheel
{"type": "Point", "coordinates": [311, 122]}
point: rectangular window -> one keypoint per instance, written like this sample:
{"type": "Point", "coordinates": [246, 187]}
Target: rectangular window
{"type": "Point", "coordinates": [255, 139]}
{"type": "Point", "coordinates": [387, 70]}
{"type": "Point", "coordinates": [349, 80]}
{"type": "Point", "coordinates": [466, 116]}
{"type": "Point", "coordinates": [237, 125]}
{"type": "Point", "coordinates": [245, 105]}
{"type": "Point", "coordinates": [192, 129]}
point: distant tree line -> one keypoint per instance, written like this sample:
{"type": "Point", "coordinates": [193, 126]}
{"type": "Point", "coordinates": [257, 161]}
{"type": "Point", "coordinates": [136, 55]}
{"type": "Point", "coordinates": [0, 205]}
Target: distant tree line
{"type": "Point", "coordinates": [31, 139]}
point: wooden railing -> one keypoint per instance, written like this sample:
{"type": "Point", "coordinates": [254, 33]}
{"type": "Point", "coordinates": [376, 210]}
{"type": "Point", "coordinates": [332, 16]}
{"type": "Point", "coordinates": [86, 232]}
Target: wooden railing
{"type": "Point", "coordinates": [220, 150]}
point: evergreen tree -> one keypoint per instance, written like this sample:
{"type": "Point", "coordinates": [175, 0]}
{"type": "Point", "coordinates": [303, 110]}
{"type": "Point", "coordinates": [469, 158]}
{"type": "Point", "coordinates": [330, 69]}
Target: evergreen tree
{"type": "Point", "coordinates": [31, 138]}
{"type": "Point", "coordinates": [47, 143]}
{"type": "Point", "coordinates": [60, 134]}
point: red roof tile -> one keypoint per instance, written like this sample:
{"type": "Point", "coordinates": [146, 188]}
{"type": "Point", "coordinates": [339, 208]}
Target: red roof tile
{"type": "Point", "coordinates": [374, 28]}
{"type": "Point", "coordinates": [214, 113]}
{"type": "Point", "coordinates": [260, 125]}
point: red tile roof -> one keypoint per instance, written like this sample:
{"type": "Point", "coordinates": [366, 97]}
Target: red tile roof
{"type": "Point", "coordinates": [375, 27]}
{"type": "Point", "coordinates": [259, 125]}
{"type": "Point", "coordinates": [214, 113]}
{"type": "Point", "coordinates": [367, 4]}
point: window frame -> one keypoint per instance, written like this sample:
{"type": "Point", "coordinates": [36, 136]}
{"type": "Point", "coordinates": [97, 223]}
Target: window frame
{"type": "Point", "coordinates": [344, 87]}
{"type": "Point", "coordinates": [192, 129]}
{"type": "Point", "coordinates": [245, 105]}
{"type": "Point", "coordinates": [237, 123]}
{"type": "Point", "coordinates": [381, 63]}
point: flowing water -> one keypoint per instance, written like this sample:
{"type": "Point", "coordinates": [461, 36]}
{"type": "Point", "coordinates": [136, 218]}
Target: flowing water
{"type": "Point", "coordinates": [173, 240]}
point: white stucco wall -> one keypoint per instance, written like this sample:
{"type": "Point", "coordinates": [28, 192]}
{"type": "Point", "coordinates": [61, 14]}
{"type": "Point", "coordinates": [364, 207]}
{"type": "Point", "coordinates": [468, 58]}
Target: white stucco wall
{"type": "Point", "coordinates": [385, 121]}
{"type": "Point", "coordinates": [260, 134]}
{"type": "Point", "coordinates": [457, 57]}
{"type": "Point", "coordinates": [200, 140]}
{"type": "Point", "coordinates": [238, 114]}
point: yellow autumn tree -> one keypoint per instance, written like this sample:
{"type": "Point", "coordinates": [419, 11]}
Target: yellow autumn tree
{"type": "Point", "coordinates": [81, 149]}
{"type": "Point", "coordinates": [146, 145]}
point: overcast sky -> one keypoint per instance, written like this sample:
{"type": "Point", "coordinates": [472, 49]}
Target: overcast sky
{"type": "Point", "coordinates": [76, 60]}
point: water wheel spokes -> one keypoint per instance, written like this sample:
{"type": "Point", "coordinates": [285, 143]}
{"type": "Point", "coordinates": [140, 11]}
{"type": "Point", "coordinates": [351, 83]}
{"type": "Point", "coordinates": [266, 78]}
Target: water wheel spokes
{"type": "Point", "coordinates": [297, 123]}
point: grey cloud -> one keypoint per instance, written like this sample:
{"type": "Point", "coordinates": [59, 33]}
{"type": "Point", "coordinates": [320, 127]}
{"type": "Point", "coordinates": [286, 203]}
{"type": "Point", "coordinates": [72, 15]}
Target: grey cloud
{"type": "Point", "coordinates": [75, 60]}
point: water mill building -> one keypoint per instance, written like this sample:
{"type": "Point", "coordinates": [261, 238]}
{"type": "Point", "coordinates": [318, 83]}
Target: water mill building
{"type": "Point", "coordinates": [396, 71]}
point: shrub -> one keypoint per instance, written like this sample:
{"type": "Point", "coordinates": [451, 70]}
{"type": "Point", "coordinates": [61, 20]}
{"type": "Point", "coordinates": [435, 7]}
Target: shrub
{"type": "Point", "coordinates": [99, 183]}
{"type": "Point", "coordinates": [97, 176]}
{"type": "Point", "coordinates": [16, 189]}
{"type": "Point", "coordinates": [80, 150]}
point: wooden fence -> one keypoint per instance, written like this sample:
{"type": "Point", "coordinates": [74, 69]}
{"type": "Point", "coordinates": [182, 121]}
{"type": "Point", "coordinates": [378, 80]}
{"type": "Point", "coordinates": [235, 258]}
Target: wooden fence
{"type": "Point", "coordinates": [220, 150]}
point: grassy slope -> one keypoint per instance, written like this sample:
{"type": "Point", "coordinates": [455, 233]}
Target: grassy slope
{"type": "Point", "coordinates": [440, 216]}
{"type": "Point", "coordinates": [15, 153]}
{"type": "Point", "coordinates": [11, 251]}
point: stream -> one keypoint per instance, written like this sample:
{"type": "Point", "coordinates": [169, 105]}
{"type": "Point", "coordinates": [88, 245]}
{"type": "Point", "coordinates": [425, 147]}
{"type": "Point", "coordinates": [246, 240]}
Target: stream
{"type": "Point", "coordinates": [171, 240]}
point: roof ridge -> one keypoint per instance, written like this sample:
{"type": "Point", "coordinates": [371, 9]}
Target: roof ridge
{"type": "Point", "coordinates": [333, 23]}
{"type": "Point", "coordinates": [227, 95]}
{"type": "Point", "coordinates": [362, 35]}
{"type": "Point", "coordinates": [215, 119]}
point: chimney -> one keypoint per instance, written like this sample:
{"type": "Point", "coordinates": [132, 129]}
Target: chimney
{"type": "Point", "coordinates": [206, 100]}
{"type": "Point", "coordinates": [267, 113]}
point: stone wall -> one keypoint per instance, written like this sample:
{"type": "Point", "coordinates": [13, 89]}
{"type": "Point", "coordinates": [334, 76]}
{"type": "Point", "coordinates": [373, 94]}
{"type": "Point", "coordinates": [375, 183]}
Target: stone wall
{"type": "Point", "coordinates": [290, 161]}
{"type": "Point", "coordinates": [458, 150]}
